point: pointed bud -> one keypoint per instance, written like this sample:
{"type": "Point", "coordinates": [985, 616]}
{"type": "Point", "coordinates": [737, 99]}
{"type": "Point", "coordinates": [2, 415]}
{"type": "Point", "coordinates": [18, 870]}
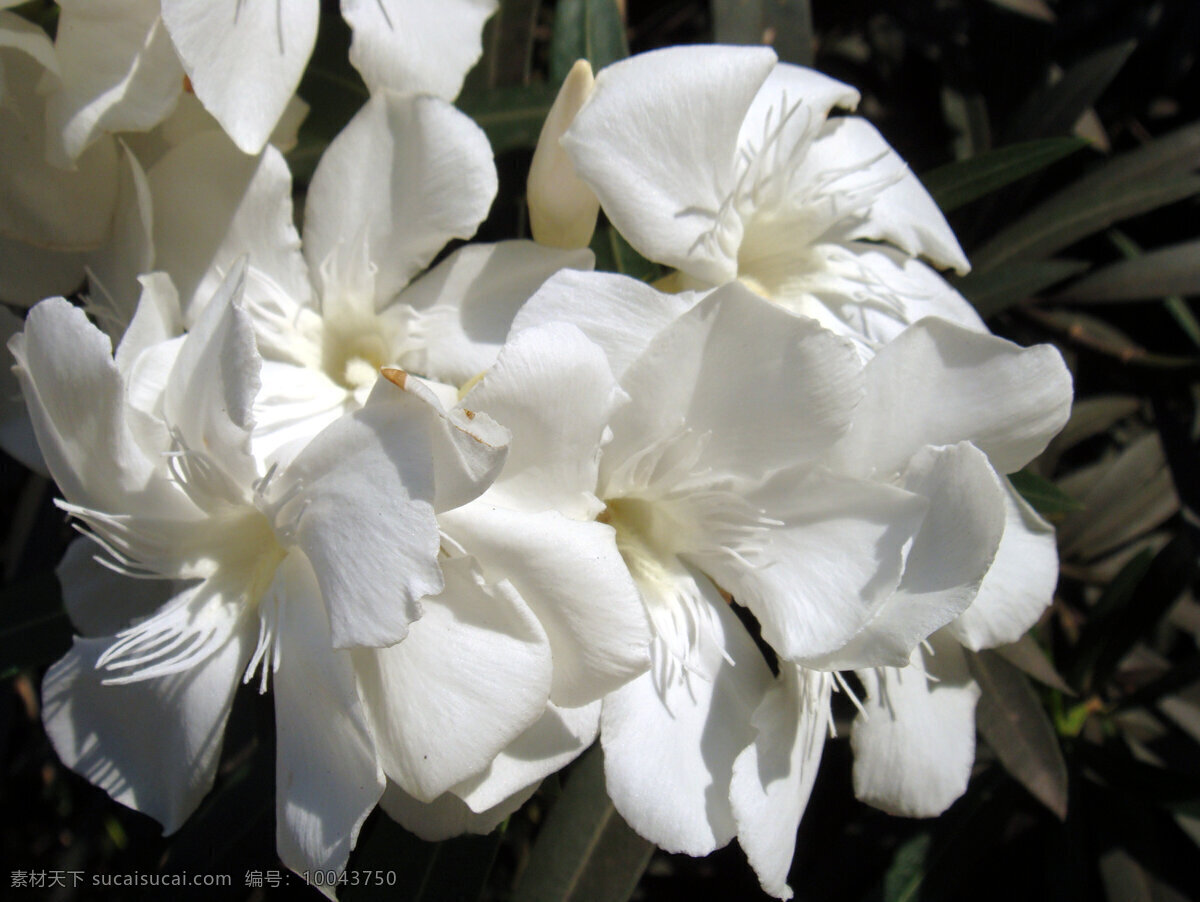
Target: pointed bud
{"type": "Point", "coordinates": [562, 209]}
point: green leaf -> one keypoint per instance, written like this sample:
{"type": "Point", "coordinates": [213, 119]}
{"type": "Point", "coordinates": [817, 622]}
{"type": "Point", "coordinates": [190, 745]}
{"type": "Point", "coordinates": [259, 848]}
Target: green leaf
{"type": "Point", "coordinates": [1150, 276]}
{"type": "Point", "coordinates": [1116, 595]}
{"type": "Point", "coordinates": [959, 183]}
{"type": "Point", "coordinates": [507, 47]}
{"type": "Point", "coordinates": [904, 876]}
{"type": "Point", "coordinates": [586, 29]}
{"type": "Point", "coordinates": [786, 25]}
{"type": "Point", "coordinates": [1012, 721]}
{"type": "Point", "coordinates": [1027, 656]}
{"type": "Point", "coordinates": [995, 290]}
{"type": "Point", "coordinates": [511, 117]}
{"type": "Point", "coordinates": [584, 852]}
{"type": "Point", "coordinates": [615, 254]}
{"type": "Point", "coordinates": [1054, 109]}
{"type": "Point", "coordinates": [1070, 216]}
{"type": "Point", "coordinates": [1047, 498]}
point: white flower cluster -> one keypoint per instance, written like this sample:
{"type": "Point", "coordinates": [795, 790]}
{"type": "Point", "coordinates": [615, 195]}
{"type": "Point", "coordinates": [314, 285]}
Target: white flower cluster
{"type": "Point", "coordinates": [462, 520]}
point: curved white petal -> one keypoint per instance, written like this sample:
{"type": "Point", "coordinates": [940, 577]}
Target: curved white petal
{"type": "Point", "coordinates": [447, 815]}
{"type": "Point", "coordinates": [99, 601]}
{"type": "Point", "coordinates": [835, 557]}
{"type": "Point", "coordinates": [657, 142]}
{"type": "Point", "coordinates": [156, 319]}
{"type": "Point", "coordinates": [669, 749]}
{"type": "Point", "coordinates": [787, 401]}
{"type": "Point", "coordinates": [773, 776]}
{"type": "Point", "coordinates": [51, 208]}
{"type": "Point", "coordinates": [1020, 583]}
{"type": "Point", "coordinates": [294, 404]}
{"type": "Point", "coordinates": [119, 72]}
{"type": "Point", "coordinates": [553, 388]}
{"type": "Point", "coordinates": [558, 738]}
{"type": "Point", "coordinates": [618, 313]}
{"type": "Point", "coordinates": [791, 107]}
{"type": "Point", "coordinates": [471, 676]}
{"type": "Point", "coordinates": [914, 748]}
{"type": "Point", "coordinates": [244, 59]}
{"type": "Point", "coordinates": [152, 745]}
{"type": "Point", "coordinates": [901, 210]}
{"type": "Point", "coordinates": [464, 306]}
{"type": "Point", "coordinates": [950, 554]}
{"type": "Point", "coordinates": [327, 779]}
{"type": "Point", "coordinates": [212, 205]}
{"type": "Point", "coordinates": [573, 578]}
{"type": "Point", "coordinates": [939, 384]}
{"type": "Point", "coordinates": [416, 46]}
{"type": "Point", "coordinates": [405, 176]}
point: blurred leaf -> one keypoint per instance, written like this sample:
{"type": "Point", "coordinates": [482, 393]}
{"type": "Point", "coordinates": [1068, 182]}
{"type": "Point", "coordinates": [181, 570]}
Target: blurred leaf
{"type": "Point", "coordinates": [584, 851]}
{"type": "Point", "coordinates": [1055, 108]}
{"type": "Point", "coordinates": [614, 254]}
{"type": "Point", "coordinates": [1046, 498]}
{"type": "Point", "coordinates": [1124, 878]}
{"type": "Point", "coordinates": [35, 629]}
{"type": "Point", "coordinates": [902, 882]}
{"type": "Point", "coordinates": [1066, 218]}
{"type": "Point", "coordinates": [1148, 782]}
{"type": "Point", "coordinates": [586, 29]}
{"type": "Point", "coordinates": [786, 25]}
{"type": "Point", "coordinates": [961, 182]}
{"type": "Point", "coordinates": [994, 291]}
{"type": "Point", "coordinates": [511, 117]}
{"type": "Point", "coordinates": [455, 869]}
{"type": "Point", "coordinates": [1034, 9]}
{"type": "Point", "coordinates": [1116, 596]}
{"type": "Point", "coordinates": [1175, 415]}
{"type": "Point", "coordinates": [1169, 270]}
{"type": "Point", "coordinates": [1176, 152]}
{"type": "Point", "coordinates": [967, 115]}
{"type": "Point", "coordinates": [507, 47]}
{"type": "Point", "coordinates": [1012, 720]}
{"type": "Point", "coordinates": [1027, 656]}
{"type": "Point", "coordinates": [1100, 337]}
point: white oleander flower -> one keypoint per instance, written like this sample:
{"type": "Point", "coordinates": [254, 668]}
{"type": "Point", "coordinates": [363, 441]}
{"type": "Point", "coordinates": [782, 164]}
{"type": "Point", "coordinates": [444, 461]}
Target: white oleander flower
{"type": "Point", "coordinates": [124, 61]}
{"type": "Point", "coordinates": [725, 164]}
{"type": "Point", "coordinates": [305, 577]}
{"type": "Point", "coordinates": [853, 509]}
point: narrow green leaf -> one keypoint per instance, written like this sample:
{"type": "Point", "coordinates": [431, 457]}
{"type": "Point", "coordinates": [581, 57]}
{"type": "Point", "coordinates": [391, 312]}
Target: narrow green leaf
{"type": "Point", "coordinates": [1054, 109]}
{"type": "Point", "coordinates": [507, 47]}
{"type": "Point", "coordinates": [586, 29]}
{"type": "Point", "coordinates": [615, 254]}
{"type": "Point", "coordinates": [511, 117]}
{"type": "Point", "coordinates": [1066, 218]}
{"type": "Point", "coordinates": [1047, 498]}
{"type": "Point", "coordinates": [1166, 271]}
{"type": "Point", "coordinates": [904, 876]}
{"type": "Point", "coordinates": [584, 852]}
{"type": "Point", "coordinates": [1013, 722]}
{"type": "Point", "coordinates": [1027, 656]}
{"type": "Point", "coordinates": [993, 291]}
{"type": "Point", "coordinates": [1034, 9]}
{"type": "Point", "coordinates": [961, 182]}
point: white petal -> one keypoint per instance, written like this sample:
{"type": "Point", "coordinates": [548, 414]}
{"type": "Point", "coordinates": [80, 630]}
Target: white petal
{"type": "Point", "coordinates": [1020, 583]}
{"type": "Point", "coordinates": [152, 745]}
{"type": "Point", "coordinates": [786, 87]}
{"type": "Point", "coordinates": [406, 175]}
{"type": "Point", "coordinates": [447, 815]}
{"type": "Point", "coordinates": [472, 675]}
{"type": "Point", "coordinates": [902, 212]}
{"type": "Point", "coordinates": [817, 578]}
{"type": "Point", "coordinates": [950, 554]}
{"type": "Point", "coordinates": [669, 751]}
{"type": "Point", "coordinates": [465, 305]}
{"type": "Point", "coordinates": [914, 749]}
{"type": "Point", "coordinates": [327, 778]}
{"type": "Point", "coordinates": [416, 46]}
{"type": "Point", "coordinates": [558, 738]}
{"type": "Point", "coordinates": [294, 404]}
{"type": "Point", "coordinates": [210, 393]}
{"type": "Point", "coordinates": [939, 384]}
{"type": "Point", "coordinates": [212, 205]}
{"type": "Point", "coordinates": [68, 209]}
{"type": "Point", "coordinates": [787, 401]}
{"type": "Point", "coordinates": [553, 388]}
{"type": "Point", "coordinates": [773, 777]}
{"type": "Point", "coordinates": [119, 71]}
{"type": "Point", "coordinates": [618, 313]}
{"type": "Point", "coordinates": [657, 141]}
{"type": "Point", "coordinates": [157, 318]}
{"type": "Point", "coordinates": [244, 59]}
{"type": "Point", "coordinates": [99, 601]}
{"type": "Point", "coordinates": [574, 579]}
{"type": "Point", "coordinates": [75, 397]}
